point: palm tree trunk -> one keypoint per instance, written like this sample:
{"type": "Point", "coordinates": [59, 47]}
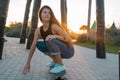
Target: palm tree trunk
{"type": "Point", "coordinates": [3, 15]}
{"type": "Point", "coordinates": [89, 17]}
{"type": "Point", "coordinates": [64, 13]}
{"type": "Point", "coordinates": [34, 21]}
{"type": "Point", "coordinates": [100, 44]}
{"type": "Point", "coordinates": [26, 16]}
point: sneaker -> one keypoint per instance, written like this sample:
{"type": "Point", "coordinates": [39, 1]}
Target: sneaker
{"type": "Point", "coordinates": [57, 68]}
{"type": "Point", "coordinates": [51, 64]}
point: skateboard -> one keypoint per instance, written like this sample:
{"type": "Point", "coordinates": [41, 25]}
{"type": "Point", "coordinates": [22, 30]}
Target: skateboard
{"type": "Point", "coordinates": [58, 76]}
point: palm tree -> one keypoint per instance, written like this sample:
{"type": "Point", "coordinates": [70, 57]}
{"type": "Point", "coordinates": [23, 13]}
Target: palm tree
{"type": "Point", "coordinates": [100, 44]}
{"type": "Point", "coordinates": [89, 17]}
{"type": "Point", "coordinates": [64, 14]}
{"type": "Point", "coordinates": [34, 21]}
{"type": "Point", "coordinates": [26, 16]}
{"type": "Point", "coordinates": [3, 15]}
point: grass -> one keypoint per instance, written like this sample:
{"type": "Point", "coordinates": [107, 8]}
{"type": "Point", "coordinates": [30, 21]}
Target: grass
{"type": "Point", "coordinates": [113, 48]}
{"type": "Point", "coordinates": [110, 48]}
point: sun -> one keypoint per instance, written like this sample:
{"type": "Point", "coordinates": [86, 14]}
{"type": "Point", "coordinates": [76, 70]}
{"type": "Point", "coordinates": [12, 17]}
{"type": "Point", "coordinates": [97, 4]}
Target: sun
{"type": "Point", "coordinates": [74, 29]}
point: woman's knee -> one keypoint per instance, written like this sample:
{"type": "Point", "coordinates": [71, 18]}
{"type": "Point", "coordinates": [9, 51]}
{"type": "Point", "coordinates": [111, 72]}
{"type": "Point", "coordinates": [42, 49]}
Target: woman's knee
{"type": "Point", "coordinates": [38, 44]}
{"type": "Point", "coordinates": [41, 46]}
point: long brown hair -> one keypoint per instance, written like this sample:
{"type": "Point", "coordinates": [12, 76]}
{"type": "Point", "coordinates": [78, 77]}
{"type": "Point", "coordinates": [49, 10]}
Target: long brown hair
{"type": "Point", "coordinates": [52, 19]}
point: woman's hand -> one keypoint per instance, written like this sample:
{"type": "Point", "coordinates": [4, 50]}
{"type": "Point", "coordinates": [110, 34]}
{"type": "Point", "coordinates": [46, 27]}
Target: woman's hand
{"type": "Point", "coordinates": [26, 69]}
{"type": "Point", "coordinates": [50, 37]}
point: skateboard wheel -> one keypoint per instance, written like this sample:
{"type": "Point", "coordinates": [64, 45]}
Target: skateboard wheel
{"type": "Point", "coordinates": [65, 79]}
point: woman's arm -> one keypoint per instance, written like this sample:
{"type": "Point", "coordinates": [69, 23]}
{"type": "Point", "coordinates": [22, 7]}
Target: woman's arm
{"type": "Point", "coordinates": [61, 34]}
{"type": "Point", "coordinates": [32, 49]}
{"type": "Point", "coordinates": [33, 46]}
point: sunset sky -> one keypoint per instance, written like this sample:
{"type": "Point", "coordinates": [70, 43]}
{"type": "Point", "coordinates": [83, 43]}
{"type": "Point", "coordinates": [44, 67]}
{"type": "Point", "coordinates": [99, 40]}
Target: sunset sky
{"type": "Point", "coordinates": [77, 11]}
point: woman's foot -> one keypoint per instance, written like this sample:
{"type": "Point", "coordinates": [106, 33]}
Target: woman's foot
{"type": "Point", "coordinates": [57, 68]}
{"type": "Point", "coordinates": [51, 64]}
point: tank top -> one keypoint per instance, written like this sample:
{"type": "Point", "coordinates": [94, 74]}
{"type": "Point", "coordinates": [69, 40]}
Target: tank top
{"type": "Point", "coordinates": [44, 34]}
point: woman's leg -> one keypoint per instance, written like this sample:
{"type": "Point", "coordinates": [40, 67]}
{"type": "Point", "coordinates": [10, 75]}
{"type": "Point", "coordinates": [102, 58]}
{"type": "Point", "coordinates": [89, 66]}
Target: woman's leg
{"type": "Point", "coordinates": [54, 53]}
{"type": "Point", "coordinates": [44, 47]}
{"type": "Point", "coordinates": [58, 66]}
{"type": "Point", "coordinates": [57, 59]}
{"type": "Point", "coordinates": [65, 51]}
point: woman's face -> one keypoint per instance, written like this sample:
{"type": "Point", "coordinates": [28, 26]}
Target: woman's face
{"type": "Point", "coordinates": [46, 15]}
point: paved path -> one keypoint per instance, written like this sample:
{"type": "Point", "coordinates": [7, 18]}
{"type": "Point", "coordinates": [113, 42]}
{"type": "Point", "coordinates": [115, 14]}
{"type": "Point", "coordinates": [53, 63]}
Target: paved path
{"type": "Point", "coordinates": [83, 66]}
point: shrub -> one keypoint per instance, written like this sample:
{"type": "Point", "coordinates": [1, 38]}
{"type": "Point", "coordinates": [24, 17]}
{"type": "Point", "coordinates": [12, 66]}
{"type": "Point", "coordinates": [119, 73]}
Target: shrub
{"type": "Point", "coordinates": [81, 38]}
{"type": "Point", "coordinates": [14, 33]}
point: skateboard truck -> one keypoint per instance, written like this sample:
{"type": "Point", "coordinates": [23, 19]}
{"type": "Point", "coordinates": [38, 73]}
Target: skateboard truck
{"type": "Point", "coordinates": [59, 78]}
{"type": "Point", "coordinates": [60, 75]}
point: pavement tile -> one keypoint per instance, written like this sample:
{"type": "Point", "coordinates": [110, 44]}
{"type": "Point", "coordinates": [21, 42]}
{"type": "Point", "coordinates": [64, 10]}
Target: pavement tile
{"type": "Point", "coordinates": [83, 66]}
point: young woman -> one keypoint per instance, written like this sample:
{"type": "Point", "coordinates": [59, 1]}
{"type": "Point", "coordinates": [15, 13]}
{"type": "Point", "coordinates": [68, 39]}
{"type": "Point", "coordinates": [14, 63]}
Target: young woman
{"type": "Point", "coordinates": [56, 42]}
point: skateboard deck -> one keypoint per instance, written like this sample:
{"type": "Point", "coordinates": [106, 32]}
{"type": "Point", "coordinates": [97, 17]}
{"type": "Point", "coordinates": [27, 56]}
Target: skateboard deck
{"type": "Point", "coordinates": [58, 76]}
